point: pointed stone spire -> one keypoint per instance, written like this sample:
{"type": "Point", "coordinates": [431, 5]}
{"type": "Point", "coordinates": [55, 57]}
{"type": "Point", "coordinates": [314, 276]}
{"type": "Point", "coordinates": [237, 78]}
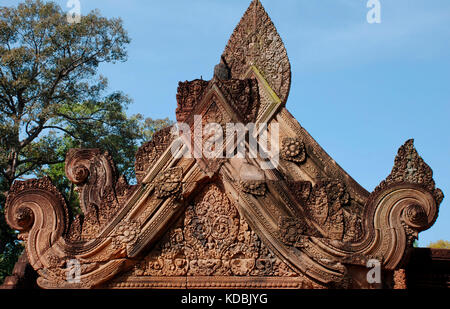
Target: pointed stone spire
{"type": "Point", "coordinates": [409, 167]}
{"type": "Point", "coordinates": [256, 42]}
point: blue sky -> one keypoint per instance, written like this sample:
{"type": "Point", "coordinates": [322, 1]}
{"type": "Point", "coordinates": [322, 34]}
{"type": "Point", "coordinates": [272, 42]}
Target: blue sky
{"type": "Point", "coordinates": [360, 89]}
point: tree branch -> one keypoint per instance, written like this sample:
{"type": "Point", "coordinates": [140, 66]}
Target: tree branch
{"type": "Point", "coordinates": [37, 161]}
{"type": "Point", "coordinates": [36, 131]}
{"type": "Point", "coordinates": [36, 164]}
{"type": "Point", "coordinates": [10, 104]}
{"type": "Point", "coordinates": [61, 129]}
{"type": "Point", "coordinates": [82, 118]}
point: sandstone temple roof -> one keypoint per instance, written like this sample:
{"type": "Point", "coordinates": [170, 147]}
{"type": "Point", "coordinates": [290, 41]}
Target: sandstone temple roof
{"type": "Point", "coordinates": [227, 222]}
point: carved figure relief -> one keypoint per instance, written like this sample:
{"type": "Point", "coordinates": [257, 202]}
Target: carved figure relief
{"type": "Point", "coordinates": [327, 203]}
{"type": "Point", "coordinates": [292, 230]}
{"type": "Point", "coordinates": [243, 96]}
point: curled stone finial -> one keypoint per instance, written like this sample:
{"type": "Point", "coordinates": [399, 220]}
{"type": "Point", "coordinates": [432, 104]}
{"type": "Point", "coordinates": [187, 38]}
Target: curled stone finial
{"type": "Point", "coordinates": [78, 162]}
{"type": "Point", "coordinates": [20, 211]}
{"type": "Point", "coordinates": [407, 200]}
{"type": "Point", "coordinates": [410, 168]}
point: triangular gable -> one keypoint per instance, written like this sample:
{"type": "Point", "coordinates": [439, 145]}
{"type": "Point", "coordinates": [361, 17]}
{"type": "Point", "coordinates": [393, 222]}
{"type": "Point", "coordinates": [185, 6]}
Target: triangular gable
{"type": "Point", "coordinates": [211, 240]}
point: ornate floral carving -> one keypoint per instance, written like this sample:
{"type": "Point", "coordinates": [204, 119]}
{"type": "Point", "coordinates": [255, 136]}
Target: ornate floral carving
{"type": "Point", "coordinates": [293, 150]}
{"type": "Point", "coordinates": [400, 282]}
{"type": "Point", "coordinates": [54, 261]}
{"type": "Point", "coordinates": [188, 96]}
{"type": "Point", "coordinates": [126, 234]}
{"type": "Point", "coordinates": [291, 230]}
{"type": "Point", "coordinates": [212, 240]}
{"type": "Point", "coordinates": [254, 187]}
{"type": "Point", "coordinates": [169, 183]}
{"type": "Point", "coordinates": [255, 41]}
{"type": "Point", "coordinates": [411, 234]}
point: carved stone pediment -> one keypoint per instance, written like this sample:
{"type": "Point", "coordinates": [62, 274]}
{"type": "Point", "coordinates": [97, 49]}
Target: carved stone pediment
{"type": "Point", "coordinates": [194, 221]}
{"type": "Point", "coordinates": [212, 240]}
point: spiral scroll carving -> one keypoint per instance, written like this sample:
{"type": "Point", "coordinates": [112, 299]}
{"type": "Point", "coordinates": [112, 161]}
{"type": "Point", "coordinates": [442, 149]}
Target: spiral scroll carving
{"type": "Point", "coordinates": [102, 192]}
{"type": "Point", "coordinates": [78, 162]}
{"type": "Point", "coordinates": [399, 214]}
{"type": "Point", "coordinates": [401, 207]}
{"type": "Point", "coordinates": [38, 211]}
{"type": "Point", "coordinates": [415, 215]}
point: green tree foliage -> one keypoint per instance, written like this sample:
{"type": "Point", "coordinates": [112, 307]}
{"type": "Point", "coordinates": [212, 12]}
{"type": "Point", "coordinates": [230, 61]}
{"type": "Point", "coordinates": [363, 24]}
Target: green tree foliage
{"type": "Point", "coordinates": [53, 99]}
{"type": "Point", "coordinates": [49, 83]}
{"type": "Point", "coordinates": [10, 248]}
{"type": "Point", "coordinates": [150, 126]}
{"type": "Point", "coordinates": [440, 244]}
